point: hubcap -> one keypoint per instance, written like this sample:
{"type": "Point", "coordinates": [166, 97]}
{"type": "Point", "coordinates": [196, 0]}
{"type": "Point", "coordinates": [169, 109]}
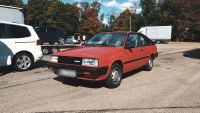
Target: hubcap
{"type": "Point", "coordinates": [116, 76]}
{"type": "Point", "coordinates": [45, 51]}
{"type": "Point", "coordinates": [23, 62]}
{"type": "Point", "coordinates": [61, 41]}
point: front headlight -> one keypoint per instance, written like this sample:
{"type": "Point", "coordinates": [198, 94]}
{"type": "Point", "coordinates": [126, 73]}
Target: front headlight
{"type": "Point", "coordinates": [54, 59]}
{"type": "Point", "coordinates": [89, 62]}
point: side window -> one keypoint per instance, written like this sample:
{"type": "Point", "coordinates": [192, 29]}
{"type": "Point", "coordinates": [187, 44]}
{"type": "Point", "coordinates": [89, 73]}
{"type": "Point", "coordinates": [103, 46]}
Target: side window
{"type": "Point", "coordinates": [17, 31]}
{"type": "Point", "coordinates": [3, 33]}
{"type": "Point", "coordinates": [51, 29]}
{"type": "Point", "coordinates": [132, 40]}
{"type": "Point", "coordinates": [144, 41]}
{"type": "Point", "coordinates": [60, 30]}
{"type": "Point", "coordinates": [141, 40]}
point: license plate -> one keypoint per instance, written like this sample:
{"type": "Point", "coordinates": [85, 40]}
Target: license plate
{"type": "Point", "coordinates": [67, 73]}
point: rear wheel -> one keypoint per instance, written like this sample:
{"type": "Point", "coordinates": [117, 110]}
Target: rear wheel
{"type": "Point", "coordinates": [149, 65]}
{"type": "Point", "coordinates": [61, 41]}
{"type": "Point", "coordinates": [54, 50]}
{"type": "Point", "coordinates": [45, 51]}
{"type": "Point", "coordinates": [114, 77]}
{"type": "Point", "coordinates": [23, 62]}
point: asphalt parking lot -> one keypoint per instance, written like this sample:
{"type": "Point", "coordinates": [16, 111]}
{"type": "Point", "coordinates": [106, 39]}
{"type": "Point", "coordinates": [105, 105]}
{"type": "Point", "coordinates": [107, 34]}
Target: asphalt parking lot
{"type": "Point", "coordinates": [171, 87]}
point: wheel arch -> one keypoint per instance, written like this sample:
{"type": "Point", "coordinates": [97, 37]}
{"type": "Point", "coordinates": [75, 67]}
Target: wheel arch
{"type": "Point", "coordinates": [26, 52]}
{"type": "Point", "coordinates": [119, 62]}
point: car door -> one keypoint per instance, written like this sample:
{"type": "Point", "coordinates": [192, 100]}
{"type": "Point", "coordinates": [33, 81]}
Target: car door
{"type": "Point", "coordinates": [134, 55]}
{"type": "Point", "coordinates": [52, 35]}
{"type": "Point", "coordinates": [7, 46]}
{"type": "Point", "coordinates": [144, 44]}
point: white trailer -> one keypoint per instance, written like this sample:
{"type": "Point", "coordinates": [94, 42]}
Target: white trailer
{"type": "Point", "coordinates": [157, 33]}
{"type": "Point", "coordinates": [11, 14]}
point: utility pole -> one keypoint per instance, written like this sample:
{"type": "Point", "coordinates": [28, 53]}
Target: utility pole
{"type": "Point", "coordinates": [130, 23]}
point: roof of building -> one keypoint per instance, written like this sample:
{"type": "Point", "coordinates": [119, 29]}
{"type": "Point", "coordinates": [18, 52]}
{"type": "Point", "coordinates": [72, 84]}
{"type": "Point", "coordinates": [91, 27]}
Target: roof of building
{"type": "Point", "coordinates": [11, 7]}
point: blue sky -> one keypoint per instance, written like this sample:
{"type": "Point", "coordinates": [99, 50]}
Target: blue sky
{"type": "Point", "coordinates": [111, 6]}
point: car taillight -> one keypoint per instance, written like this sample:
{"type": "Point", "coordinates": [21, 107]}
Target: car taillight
{"type": "Point", "coordinates": [39, 42]}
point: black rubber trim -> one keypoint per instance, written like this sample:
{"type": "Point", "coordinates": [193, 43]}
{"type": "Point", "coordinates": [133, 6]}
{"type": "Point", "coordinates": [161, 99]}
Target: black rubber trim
{"type": "Point", "coordinates": [130, 61]}
{"type": "Point", "coordinates": [155, 55]}
{"type": "Point", "coordinates": [80, 69]}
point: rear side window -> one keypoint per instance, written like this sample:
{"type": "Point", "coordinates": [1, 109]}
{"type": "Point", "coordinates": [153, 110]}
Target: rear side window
{"type": "Point", "coordinates": [148, 42]}
{"type": "Point", "coordinates": [3, 33]}
{"type": "Point", "coordinates": [41, 29]}
{"type": "Point", "coordinates": [51, 29]}
{"type": "Point", "coordinates": [17, 31]}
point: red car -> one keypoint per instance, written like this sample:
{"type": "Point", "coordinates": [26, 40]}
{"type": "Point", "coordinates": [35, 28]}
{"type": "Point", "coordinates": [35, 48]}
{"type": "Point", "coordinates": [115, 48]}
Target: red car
{"type": "Point", "coordinates": [106, 56]}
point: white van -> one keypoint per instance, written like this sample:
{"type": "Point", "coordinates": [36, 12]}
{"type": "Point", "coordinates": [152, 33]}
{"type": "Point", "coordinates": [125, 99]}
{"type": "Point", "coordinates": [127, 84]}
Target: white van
{"type": "Point", "coordinates": [19, 46]}
{"type": "Point", "coordinates": [157, 33]}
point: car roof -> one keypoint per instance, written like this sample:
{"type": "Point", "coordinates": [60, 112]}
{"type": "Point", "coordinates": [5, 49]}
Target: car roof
{"type": "Point", "coordinates": [11, 23]}
{"type": "Point", "coordinates": [128, 32]}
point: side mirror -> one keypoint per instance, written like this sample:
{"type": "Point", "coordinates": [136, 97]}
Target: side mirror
{"type": "Point", "coordinates": [128, 46]}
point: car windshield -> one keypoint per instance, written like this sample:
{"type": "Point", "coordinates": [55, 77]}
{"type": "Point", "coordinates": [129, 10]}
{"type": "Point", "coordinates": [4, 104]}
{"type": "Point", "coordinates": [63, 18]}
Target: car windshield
{"type": "Point", "coordinates": [107, 39]}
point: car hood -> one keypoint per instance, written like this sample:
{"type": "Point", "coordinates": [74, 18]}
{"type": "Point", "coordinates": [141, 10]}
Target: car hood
{"type": "Point", "coordinates": [89, 52]}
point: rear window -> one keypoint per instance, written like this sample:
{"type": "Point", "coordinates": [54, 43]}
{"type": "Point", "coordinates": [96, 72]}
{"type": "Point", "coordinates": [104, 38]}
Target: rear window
{"type": "Point", "coordinates": [17, 31]}
{"type": "Point", "coordinates": [40, 29]}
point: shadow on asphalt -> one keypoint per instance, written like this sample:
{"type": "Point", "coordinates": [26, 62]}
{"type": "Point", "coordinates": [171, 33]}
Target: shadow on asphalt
{"type": "Point", "coordinates": [91, 84]}
{"type": "Point", "coordinates": [192, 54]}
{"type": "Point", "coordinates": [9, 69]}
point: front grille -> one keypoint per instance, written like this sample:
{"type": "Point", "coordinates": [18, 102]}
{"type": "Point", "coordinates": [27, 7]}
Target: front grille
{"type": "Point", "coordinates": [70, 60]}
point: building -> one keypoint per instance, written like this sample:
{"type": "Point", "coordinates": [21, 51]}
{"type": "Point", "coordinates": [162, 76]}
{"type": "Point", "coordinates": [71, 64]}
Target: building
{"type": "Point", "coordinates": [11, 14]}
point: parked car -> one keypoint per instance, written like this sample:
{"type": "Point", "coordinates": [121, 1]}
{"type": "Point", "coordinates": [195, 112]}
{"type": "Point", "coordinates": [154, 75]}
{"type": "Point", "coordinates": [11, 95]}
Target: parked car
{"type": "Point", "coordinates": [71, 40]}
{"type": "Point", "coordinates": [51, 35]}
{"type": "Point", "coordinates": [106, 56]}
{"type": "Point", "coordinates": [19, 46]}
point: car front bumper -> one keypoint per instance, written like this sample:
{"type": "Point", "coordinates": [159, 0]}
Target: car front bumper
{"type": "Point", "coordinates": [86, 73]}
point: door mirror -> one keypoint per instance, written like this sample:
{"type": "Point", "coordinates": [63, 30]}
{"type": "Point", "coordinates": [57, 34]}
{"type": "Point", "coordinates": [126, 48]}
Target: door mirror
{"type": "Point", "coordinates": [128, 46]}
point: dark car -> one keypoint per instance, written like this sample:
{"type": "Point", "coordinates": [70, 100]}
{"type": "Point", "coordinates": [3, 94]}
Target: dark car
{"type": "Point", "coordinates": [51, 35]}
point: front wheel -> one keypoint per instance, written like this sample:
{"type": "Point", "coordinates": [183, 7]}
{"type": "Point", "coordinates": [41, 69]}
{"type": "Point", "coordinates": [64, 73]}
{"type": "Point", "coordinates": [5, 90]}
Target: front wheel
{"type": "Point", "coordinates": [149, 65]}
{"type": "Point", "coordinates": [23, 62]}
{"type": "Point", "coordinates": [114, 77]}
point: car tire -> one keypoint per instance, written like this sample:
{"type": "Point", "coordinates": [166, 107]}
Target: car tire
{"type": "Point", "coordinates": [149, 65]}
{"type": "Point", "coordinates": [45, 51]}
{"type": "Point", "coordinates": [23, 62]}
{"type": "Point", "coordinates": [61, 41]}
{"type": "Point", "coordinates": [54, 50]}
{"type": "Point", "coordinates": [114, 76]}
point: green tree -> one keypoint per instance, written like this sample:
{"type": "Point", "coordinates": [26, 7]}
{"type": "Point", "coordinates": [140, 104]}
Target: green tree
{"type": "Point", "coordinates": [91, 23]}
{"type": "Point", "coordinates": [148, 10]}
{"type": "Point", "coordinates": [15, 3]}
{"type": "Point", "coordinates": [122, 23]}
{"type": "Point", "coordinates": [53, 13]}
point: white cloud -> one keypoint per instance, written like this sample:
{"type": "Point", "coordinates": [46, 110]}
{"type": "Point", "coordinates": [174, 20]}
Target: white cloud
{"type": "Point", "coordinates": [125, 5]}
{"type": "Point", "coordinates": [121, 6]}
{"type": "Point", "coordinates": [112, 3]}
